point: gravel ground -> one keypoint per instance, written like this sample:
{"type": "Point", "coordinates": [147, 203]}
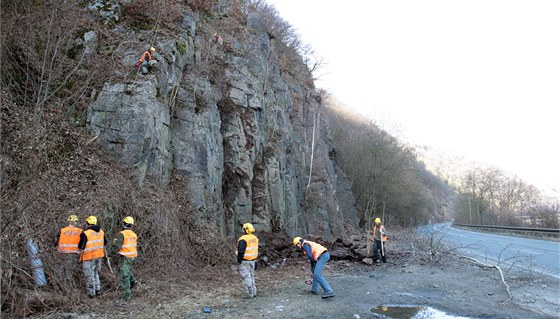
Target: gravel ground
{"type": "Point", "coordinates": [459, 289]}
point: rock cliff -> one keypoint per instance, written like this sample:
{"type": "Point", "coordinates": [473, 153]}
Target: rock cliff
{"type": "Point", "coordinates": [240, 123]}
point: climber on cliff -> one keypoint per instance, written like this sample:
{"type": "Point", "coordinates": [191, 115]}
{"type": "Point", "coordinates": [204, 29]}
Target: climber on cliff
{"type": "Point", "coordinates": [146, 61]}
{"type": "Point", "coordinates": [218, 39]}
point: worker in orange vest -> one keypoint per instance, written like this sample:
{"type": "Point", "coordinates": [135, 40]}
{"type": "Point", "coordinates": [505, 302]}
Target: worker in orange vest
{"type": "Point", "coordinates": [318, 258]}
{"type": "Point", "coordinates": [126, 247]}
{"type": "Point", "coordinates": [218, 39]}
{"type": "Point", "coordinates": [67, 244]}
{"type": "Point", "coordinates": [379, 237]}
{"type": "Point", "coordinates": [92, 243]}
{"type": "Point", "coordinates": [147, 60]}
{"type": "Point", "coordinates": [247, 253]}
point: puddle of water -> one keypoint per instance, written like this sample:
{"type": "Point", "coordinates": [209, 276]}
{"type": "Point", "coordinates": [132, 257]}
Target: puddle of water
{"type": "Point", "coordinates": [411, 312]}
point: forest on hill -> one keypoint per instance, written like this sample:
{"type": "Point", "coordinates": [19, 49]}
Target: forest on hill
{"type": "Point", "coordinates": [418, 183]}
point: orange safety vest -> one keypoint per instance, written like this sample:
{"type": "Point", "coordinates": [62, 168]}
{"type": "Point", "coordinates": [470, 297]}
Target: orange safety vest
{"type": "Point", "coordinates": [316, 249]}
{"type": "Point", "coordinates": [143, 58]}
{"type": "Point", "coordinates": [128, 248]}
{"type": "Point", "coordinates": [69, 239]}
{"type": "Point", "coordinates": [94, 246]}
{"type": "Point", "coordinates": [382, 229]}
{"type": "Point", "coordinates": [252, 249]}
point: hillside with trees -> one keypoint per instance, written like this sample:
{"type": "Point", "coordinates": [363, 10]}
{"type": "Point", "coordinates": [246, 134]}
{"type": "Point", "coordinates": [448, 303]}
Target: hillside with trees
{"type": "Point", "coordinates": [412, 185]}
{"type": "Point", "coordinates": [488, 195]}
{"type": "Point", "coordinates": [386, 177]}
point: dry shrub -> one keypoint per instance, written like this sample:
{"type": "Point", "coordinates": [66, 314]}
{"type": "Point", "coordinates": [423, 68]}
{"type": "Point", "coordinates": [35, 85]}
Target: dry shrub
{"type": "Point", "coordinates": [143, 15]}
{"type": "Point", "coordinates": [200, 5]}
{"type": "Point", "coordinates": [85, 181]}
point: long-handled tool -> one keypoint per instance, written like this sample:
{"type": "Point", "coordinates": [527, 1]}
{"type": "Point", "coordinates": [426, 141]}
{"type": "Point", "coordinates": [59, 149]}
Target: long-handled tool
{"type": "Point", "coordinates": [108, 261]}
{"type": "Point", "coordinates": [109, 264]}
{"type": "Point", "coordinates": [382, 248]}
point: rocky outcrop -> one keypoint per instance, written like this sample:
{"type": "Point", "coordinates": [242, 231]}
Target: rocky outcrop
{"type": "Point", "coordinates": [246, 133]}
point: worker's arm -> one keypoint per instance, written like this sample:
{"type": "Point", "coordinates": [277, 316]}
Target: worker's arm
{"type": "Point", "coordinates": [241, 246]}
{"type": "Point", "coordinates": [307, 249]}
{"type": "Point", "coordinates": [384, 232]}
{"type": "Point", "coordinates": [117, 244]}
{"type": "Point", "coordinates": [83, 241]}
{"type": "Point", "coordinates": [58, 238]}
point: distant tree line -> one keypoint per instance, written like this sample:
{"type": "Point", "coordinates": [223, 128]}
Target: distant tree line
{"type": "Point", "coordinates": [492, 197]}
{"type": "Point", "coordinates": [387, 179]}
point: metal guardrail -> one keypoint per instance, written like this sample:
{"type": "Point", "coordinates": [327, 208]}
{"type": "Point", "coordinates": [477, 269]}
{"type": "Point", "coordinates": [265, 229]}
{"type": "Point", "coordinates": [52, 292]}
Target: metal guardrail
{"type": "Point", "coordinates": [533, 232]}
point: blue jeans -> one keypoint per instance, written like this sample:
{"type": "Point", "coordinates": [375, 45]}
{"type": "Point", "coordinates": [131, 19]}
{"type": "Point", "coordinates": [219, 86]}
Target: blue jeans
{"type": "Point", "coordinates": [318, 278]}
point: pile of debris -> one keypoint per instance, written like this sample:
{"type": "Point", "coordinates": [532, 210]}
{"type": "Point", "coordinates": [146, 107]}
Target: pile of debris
{"type": "Point", "coordinates": [276, 249]}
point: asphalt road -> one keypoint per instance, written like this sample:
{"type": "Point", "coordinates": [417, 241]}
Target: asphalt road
{"type": "Point", "coordinates": [505, 251]}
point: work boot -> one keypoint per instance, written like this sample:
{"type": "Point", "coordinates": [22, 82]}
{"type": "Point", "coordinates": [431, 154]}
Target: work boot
{"type": "Point", "coordinates": [132, 284]}
{"type": "Point", "coordinates": [384, 259]}
{"type": "Point", "coordinates": [327, 295]}
{"type": "Point", "coordinates": [313, 292]}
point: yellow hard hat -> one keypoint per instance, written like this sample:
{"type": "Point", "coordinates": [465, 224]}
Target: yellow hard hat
{"type": "Point", "coordinates": [152, 49]}
{"type": "Point", "coordinates": [72, 218]}
{"type": "Point", "coordinates": [296, 240]}
{"type": "Point", "coordinates": [92, 220]}
{"type": "Point", "coordinates": [128, 220]}
{"type": "Point", "coordinates": [248, 228]}
{"type": "Point", "coordinates": [377, 220]}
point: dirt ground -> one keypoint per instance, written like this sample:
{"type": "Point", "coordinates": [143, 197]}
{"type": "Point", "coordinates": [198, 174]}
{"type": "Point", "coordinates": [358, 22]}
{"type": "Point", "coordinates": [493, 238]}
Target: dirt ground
{"type": "Point", "coordinates": [458, 288]}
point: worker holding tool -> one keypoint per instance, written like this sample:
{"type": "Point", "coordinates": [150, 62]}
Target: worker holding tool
{"type": "Point", "coordinates": [67, 245]}
{"type": "Point", "coordinates": [247, 253]}
{"type": "Point", "coordinates": [379, 237]}
{"type": "Point", "coordinates": [126, 249]}
{"type": "Point", "coordinates": [92, 243]}
{"type": "Point", "coordinates": [318, 258]}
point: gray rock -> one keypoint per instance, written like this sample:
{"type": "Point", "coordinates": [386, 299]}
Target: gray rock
{"type": "Point", "coordinates": [239, 131]}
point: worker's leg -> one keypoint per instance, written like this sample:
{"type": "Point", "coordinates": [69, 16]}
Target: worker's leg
{"type": "Point", "coordinates": [97, 269]}
{"type": "Point", "coordinates": [89, 273]}
{"type": "Point", "coordinates": [144, 67]}
{"type": "Point", "coordinates": [132, 279]}
{"type": "Point", "coordinates": [126, 276]}
{"type": "Point", "coordinates": [318, 277]}
{"type": "Point", "coordinates": [246, 268]}
{"type": "Point", "coordinates": [253, 283]}
{"type": "Point", "coordinates": [67, 269]}
{"type": "Point", "coordinates": [376, 249]}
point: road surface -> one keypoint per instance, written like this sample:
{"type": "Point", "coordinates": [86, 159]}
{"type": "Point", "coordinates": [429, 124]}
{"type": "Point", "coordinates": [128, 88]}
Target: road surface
{"type": "Point", "coordinates": [505, 251]}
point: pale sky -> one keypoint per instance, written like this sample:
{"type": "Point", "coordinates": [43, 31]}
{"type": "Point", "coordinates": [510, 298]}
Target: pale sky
{"type": "Point", "coordinates": [477, 77]}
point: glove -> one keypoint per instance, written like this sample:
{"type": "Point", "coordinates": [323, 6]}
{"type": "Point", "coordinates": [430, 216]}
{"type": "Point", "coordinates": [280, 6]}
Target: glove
{"type": "Point", "coordinates": [137, 65]}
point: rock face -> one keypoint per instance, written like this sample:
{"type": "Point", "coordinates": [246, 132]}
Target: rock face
{"type": "Point", "coordinates": [244, 130]}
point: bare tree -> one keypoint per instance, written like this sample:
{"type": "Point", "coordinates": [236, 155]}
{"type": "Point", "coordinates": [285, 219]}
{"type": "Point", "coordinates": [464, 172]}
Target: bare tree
{"type": "Point", "coordinates": [490, 196]}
